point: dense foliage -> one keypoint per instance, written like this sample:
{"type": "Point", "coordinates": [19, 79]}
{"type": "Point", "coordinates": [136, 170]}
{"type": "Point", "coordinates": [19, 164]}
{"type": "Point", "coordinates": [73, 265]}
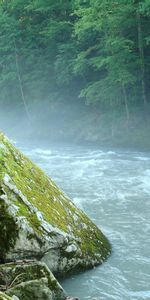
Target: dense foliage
{"type": "Point", "coordinates": [98, 51]}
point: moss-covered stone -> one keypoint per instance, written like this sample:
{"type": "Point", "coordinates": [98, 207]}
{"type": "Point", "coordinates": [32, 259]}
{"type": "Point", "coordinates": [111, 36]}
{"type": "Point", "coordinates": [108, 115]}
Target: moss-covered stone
{"type": "Point", "coordinates": [41, 220]}
{"type": "Point", "coordinates": [30, 280]}
{"type": "Point", "coordinates": [3, 296]}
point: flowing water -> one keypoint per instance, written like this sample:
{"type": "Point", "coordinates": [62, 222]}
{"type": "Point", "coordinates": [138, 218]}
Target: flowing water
{"type": "Point", "coordinates": [113, 188]}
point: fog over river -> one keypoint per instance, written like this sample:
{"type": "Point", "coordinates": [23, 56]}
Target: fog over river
{"type": "Point", "coordinates": [113, 188]}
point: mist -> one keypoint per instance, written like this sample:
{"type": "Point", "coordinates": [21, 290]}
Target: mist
{"type": "Point", "coordinates": [55, 122]}
{"type": "Point", "coordinates": [75, 123]}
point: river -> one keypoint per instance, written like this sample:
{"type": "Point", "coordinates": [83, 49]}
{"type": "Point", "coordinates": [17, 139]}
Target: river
{"type": "Point", "coordinates": [113, 188]}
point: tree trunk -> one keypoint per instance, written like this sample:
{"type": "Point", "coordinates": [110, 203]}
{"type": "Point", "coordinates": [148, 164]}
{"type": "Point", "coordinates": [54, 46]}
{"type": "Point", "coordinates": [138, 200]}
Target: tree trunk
{"type": "Point", "coordinates": [126, 104]}
{"type": "Point", "coordinates": [141, 54]}
{"type": "Point", "coordinates": [20, 85]}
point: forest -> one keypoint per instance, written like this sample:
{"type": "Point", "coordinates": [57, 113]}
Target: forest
{"type": "Point", "coordinates": [87, 59]}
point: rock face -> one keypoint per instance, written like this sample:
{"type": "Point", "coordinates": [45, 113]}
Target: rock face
{"type": "Point", "coordinates": [29, 281]}
{"type": "Point", "coordinates": [39, 221]}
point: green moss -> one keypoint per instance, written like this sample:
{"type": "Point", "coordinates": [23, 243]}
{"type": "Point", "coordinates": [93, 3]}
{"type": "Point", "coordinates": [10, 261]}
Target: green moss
{"type": "Point", "coordinates": [37, 187]}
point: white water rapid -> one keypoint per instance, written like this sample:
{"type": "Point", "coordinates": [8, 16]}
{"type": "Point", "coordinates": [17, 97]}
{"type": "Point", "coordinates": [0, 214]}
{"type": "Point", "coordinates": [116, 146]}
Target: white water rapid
{"type": "Point", "coordinates": [113, 188]}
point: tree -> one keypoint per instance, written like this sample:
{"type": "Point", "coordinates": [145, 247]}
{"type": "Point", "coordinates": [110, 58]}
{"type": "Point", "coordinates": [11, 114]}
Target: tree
{"type": "Point", "coordinates": [110, 55]}
{"type": "Point", "coordinates": [96, 50]}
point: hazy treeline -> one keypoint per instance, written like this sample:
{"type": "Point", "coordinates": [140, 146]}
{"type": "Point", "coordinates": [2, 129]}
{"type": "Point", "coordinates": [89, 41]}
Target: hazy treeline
{"type": "Point", "coordinates": [97, 52]}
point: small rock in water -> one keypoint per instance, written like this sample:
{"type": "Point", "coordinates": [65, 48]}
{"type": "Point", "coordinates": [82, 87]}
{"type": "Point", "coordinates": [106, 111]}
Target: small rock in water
{"type": "Point", "coordinates": [72, 298]}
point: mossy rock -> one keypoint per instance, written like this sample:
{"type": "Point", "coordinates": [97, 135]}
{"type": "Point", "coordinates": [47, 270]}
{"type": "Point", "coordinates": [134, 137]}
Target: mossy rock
{"type": "Point", "coordinates": [40, 221]}
{"type": "Point", "coordinates": [30, 280]}
{"type": "Point", "coordinates": [3, 296]}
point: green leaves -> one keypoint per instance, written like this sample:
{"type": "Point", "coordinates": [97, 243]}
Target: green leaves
{"type": "Point", "coordinates": [90, 47]}
{"type": "Point", "coordinates": [145, 7]}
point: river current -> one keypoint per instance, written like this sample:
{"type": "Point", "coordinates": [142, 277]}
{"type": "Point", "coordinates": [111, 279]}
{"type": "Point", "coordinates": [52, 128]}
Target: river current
{"type": "Point", "coordinates": [113, 188]}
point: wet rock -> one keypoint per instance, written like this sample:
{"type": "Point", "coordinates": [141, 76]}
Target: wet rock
{"type": "Point", "coordinates": [39, 221]}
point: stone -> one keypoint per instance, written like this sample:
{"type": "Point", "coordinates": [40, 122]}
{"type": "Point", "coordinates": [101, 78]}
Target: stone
{"type": "Point", "coordinates": [39, 221]}
{"type": "Point", "coordinates": [31, 280]}
{"type": "Point", "coordinates": [72, 298]}
{"type": "Point", "coordinates": [35, 289]}
{"type": "Point", "coordinates": [3, 296]}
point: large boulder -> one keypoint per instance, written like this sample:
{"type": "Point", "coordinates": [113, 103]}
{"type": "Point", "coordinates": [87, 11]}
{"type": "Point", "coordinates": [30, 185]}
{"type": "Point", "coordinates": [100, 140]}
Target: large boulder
{"type": "Point", "coordinates": [30, 280]}
{"type": "Point", "coordinates": [37, 220]}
